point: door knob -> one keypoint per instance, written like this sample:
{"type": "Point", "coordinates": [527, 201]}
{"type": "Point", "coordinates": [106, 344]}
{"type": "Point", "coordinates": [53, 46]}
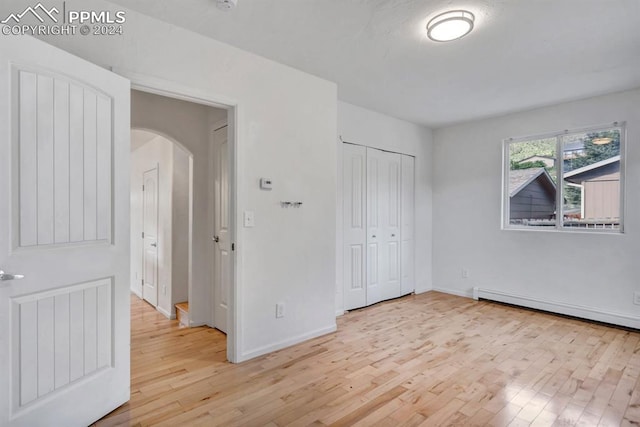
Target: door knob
{"type": "Point", "coordinates": [4, 276]}
{"type": "Point", "coordinates": [393, 235]}
{"type": "Point", "coordinates": [373, 237]}
{"type": "Point", "coordinates": [216, 239]}
{"type": "Point", "coordinates": [155, 245]}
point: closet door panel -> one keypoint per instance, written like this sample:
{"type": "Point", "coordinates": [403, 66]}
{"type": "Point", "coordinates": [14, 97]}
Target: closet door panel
{"type": "Point", "coordinates": [390, 227]}
{"type": "Point", "coordinates": [408, 228]}
{"type": "Point", "coordinates": [376, 218]}
{"type": "Point", "coordinates": [354, 211]}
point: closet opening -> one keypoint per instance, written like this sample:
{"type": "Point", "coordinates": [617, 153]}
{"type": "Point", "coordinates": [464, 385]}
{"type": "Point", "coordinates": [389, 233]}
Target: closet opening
{"type": "Point", "coordinates": [378, 218]}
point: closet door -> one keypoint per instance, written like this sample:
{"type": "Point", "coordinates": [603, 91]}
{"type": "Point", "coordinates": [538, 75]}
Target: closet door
{"type": "Point", "coordinates": [392, 181]}
{"type": "Point", "coordinates": [383, 225]}
{"type": "Point", "coordinates": [408, 244]}
{"type": "Point", "coordinates": [354, 187]}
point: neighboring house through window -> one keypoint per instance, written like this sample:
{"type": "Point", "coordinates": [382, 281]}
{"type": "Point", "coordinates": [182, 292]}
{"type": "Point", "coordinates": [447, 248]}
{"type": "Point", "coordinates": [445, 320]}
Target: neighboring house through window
{"type": "Point", "coordinates": [581, 191]}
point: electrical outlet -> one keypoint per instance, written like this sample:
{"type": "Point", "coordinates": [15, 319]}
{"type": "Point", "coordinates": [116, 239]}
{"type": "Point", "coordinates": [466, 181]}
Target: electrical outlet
{"type": "Point", "coordinates": [465, 273]}
{"type": "Point", "coordinates": [279, 310]}
{"type": "Point", "coordinates": [636, 298]}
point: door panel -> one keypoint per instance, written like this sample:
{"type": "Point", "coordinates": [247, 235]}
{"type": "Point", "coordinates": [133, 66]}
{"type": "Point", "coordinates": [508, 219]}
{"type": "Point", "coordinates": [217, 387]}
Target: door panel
{"type": "Point", "coordinates": [377, 217]}
{"type": "Point", "coordinates": [354, 209]}
{"type": "Point", "coordinates": [64, 328]}
{"type": "Point", "coordinates": [390, 226]}
{"type": "Point", "coordinates": [45, 363]}
{"type": "Point", "coordinates": [407, 232]}
{"type": "Point", "coordinates": [150, 236]}
{"type": "Point", "coordinates": [222, 248]}
{"type": "Point", "coordinates": [394, 255]}
{"type": "Point", "coordinates": [47, 172]}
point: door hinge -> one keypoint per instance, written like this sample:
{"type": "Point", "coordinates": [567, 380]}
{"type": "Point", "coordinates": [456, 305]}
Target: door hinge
{"type": "Point", "coordinates": [142, 187]}
{"type": "Point", "coordinates": [233, 246]}
{"type": "Point", "coordinates": [143, 234]}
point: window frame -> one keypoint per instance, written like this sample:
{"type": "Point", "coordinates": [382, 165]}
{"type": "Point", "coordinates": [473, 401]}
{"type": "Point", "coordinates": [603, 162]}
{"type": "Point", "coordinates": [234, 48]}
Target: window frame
{"type": "Point", "coordinates": [559, 145]}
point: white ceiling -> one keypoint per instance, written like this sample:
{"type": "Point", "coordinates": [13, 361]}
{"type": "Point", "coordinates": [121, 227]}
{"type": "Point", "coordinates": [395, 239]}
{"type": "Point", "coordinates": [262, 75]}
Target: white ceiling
{"type": "Point", "coordinates": [522, 53]}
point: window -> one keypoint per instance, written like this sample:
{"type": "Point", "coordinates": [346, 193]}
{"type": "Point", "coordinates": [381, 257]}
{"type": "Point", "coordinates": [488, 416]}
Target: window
{"type": "Point", "coordinates": [571, 180]}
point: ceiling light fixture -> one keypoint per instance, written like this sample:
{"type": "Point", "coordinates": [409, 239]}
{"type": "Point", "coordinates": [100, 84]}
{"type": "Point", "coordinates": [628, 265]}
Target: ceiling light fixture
{"type": "Point", "coordinates": [226, 4]}
{"type": "Point", "coordinates": [602, 141]}
{"type": "Point", "coordinates": [451, 25]}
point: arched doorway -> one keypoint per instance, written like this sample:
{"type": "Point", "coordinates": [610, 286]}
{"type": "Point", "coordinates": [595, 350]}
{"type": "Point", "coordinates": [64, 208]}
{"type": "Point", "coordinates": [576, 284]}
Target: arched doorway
{"type": "Point", "coordinates": [161, 215]}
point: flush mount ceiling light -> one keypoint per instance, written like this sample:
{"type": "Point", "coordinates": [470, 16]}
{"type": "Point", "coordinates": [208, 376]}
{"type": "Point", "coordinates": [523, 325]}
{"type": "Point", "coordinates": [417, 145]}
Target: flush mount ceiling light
{"type": "Point", "coordinates": [226, 4]}
{"type": "Point", "coordinates": [451, 25]}
{"type": "Point", "coordinates": [602, 141]}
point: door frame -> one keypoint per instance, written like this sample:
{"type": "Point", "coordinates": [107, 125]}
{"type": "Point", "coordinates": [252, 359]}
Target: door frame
{"type": "Point", "coordinates": [170, 89]}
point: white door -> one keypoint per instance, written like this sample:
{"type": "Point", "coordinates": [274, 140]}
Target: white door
{"type": "Point", "coordinates": [355, 232]}
{"type": "Point", "coordinates": [150, 236]}
{"type": "Point", "coordinates": [64, 225]}
{"type": "Point", "coordinates": [389, 237]}
{"type": "Point", "coordinates": [221, 238]}
{"type": "Point", "coordinates": [408, 209]}
{"type": "Point", "coordinates": [376, 200]}
{"type": "Point", "coordinates": [383, 225]}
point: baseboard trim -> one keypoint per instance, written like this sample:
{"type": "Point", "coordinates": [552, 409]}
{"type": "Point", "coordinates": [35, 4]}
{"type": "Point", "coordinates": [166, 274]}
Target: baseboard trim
{"type": "Point", "coordinates": [465, 294]}
{"type": "Point", "coordinates": [584, 312]}
{"type": "Point", "coordinates": [166, 313]}
{"type": "Point", "coordinates": [286, 343]}
{"type": "Point", "coordinates": [136, 293]}
{"type": "Point", "coordinates": [339, 313]}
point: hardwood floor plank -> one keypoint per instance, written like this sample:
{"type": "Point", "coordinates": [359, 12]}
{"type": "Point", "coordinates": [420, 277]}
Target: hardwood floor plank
{"type": "Point", "coordinates": [430, 359]}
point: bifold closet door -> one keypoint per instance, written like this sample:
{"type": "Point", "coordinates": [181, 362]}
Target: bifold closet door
{"type": "Point", "coordinates": [378, 194]}
{"type": "Point", "coordinates": [383, 225]}
{"type": "Point", "coordinates": [354, 193]}
{"type": "Point", "coordinates": [407, 248]}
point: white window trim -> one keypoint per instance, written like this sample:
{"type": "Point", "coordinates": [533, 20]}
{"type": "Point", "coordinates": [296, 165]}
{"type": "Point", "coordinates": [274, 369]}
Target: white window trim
{"type": "Point", "coordinates": [559, 227]}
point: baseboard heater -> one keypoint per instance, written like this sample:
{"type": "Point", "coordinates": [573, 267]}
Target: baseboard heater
{"type": "Point", "coordinates": [583, 312]}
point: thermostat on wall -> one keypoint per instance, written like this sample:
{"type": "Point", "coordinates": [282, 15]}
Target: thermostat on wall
{"type": "Point", "coordinates": [265, 184]}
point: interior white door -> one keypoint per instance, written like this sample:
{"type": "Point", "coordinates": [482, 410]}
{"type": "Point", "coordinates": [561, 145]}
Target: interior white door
{"type": "Point", "coordinates": [383, 225]}
{"type": "Point", "coordinates": [378, 217]}
{"type": "Point", "coordinates": [408, 208]}
{"type": "Point", "coordinates": [389, 232]}
{"type": "Point", "coordinates": [221, 238]}
{"type": "Point", "coordinates": [376, 200]}
{"type": "Point", "coordinates": [64, 225]}
{"type": "Point", "coordinates": [354, 220]}
{"type": "Point", "coordinates": [150, 236]}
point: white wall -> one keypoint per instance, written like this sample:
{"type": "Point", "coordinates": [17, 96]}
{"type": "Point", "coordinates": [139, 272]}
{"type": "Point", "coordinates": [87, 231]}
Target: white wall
{"type": "Point", "coordinates": [596, 271]}
{"type": "Point", "coordinates": [157, 153]}
{"type": "Point", "coordinates": [180, 226]}
{"type": "Point", "coordinates": [286, 131]}
{"type": "Point", "coordinates": [174, 172]}
{"type": "Point", "coordinates": [365, 127]}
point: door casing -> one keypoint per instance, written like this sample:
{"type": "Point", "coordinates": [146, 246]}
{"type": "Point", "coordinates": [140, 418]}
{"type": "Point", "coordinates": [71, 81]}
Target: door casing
{"type": "Point", "coordinates": [147, 83]}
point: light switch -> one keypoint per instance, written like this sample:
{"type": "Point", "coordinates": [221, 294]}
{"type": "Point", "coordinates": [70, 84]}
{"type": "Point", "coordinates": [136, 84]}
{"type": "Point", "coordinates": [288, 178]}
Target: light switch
{"type": "Point", "coordinates": [249, 219]}
{"type": "Point", "coordinates": [266, 183]}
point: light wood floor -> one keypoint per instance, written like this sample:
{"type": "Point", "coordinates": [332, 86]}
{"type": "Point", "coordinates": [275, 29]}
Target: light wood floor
{"type": "Point", "coordinates": [431, 359]}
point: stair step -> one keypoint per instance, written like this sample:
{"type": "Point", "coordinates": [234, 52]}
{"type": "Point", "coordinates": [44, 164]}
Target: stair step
{"type": "Point", "coordinates": [182, 313]}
